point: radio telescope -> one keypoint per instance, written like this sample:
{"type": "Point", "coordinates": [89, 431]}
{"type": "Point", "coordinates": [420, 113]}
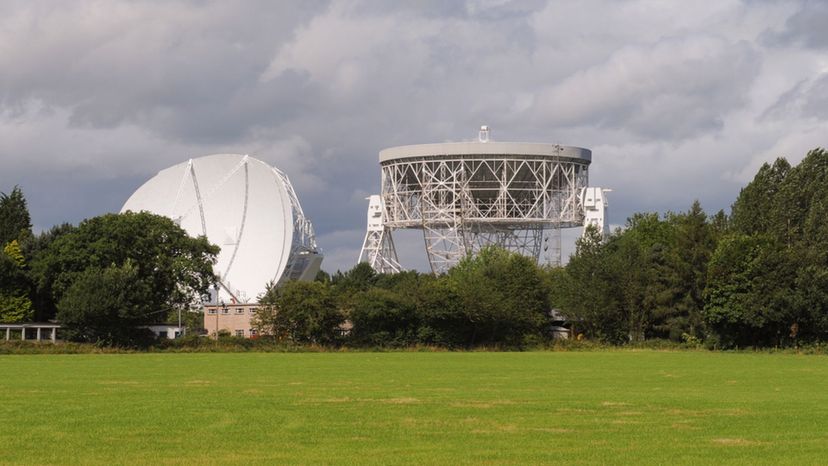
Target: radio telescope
{"type": "Point", "coordinates": [468, 195]}
{"type": "Point", "coordinates": [246, 207]}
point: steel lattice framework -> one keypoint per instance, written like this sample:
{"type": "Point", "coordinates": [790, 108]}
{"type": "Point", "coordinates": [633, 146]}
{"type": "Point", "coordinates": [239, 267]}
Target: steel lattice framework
{"type": "Point", "coordinates": [465, 196]}
{"type": "Point", "coordinates": [378, 247]}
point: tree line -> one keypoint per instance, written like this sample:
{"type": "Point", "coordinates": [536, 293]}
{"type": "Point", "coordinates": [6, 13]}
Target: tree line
{"type": "Point", "coordinates": [496, 298]}
{"type": "Point", "coordinates": [103, 279]}
{"type": "Point", "coordinates": [756, 277]}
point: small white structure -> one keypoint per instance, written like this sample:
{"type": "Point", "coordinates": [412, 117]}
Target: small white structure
{"type": "Point", "coordinates": [32, 330]}
{"type": "Point", "coordinates": [468, 195]}
{"type": "Point", "coordinates": [594, 202]}
{"type": "Point", "coordinates": [168, 331]}
{"type": "Point", "coordinates": [559, 333]}
{"type": "Point", "coordinates": [246, 207]}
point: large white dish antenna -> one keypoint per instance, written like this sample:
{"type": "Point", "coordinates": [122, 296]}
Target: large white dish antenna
{"type": "Point", "coordinates": [246, 207]}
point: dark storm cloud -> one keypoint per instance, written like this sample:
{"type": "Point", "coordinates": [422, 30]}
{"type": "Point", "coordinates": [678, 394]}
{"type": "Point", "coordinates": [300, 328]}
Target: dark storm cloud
{"type": "Point", "coordinates": [248, 109]}
{"type": "Point", "coordinates": [487, 10]}
{"type": "Point", "coordinates": [808, 99]}
{"type": "Point", "coordinates": [815, 99]}
{"type": "Point", "coordinates": [807, 27]}
{"type": "Point", "coordinates": [675, 89]}
{"type": "Point", "coordinates": [186, 70]}
{"type": "Point", "coordinates": [677, 100]}
{"type": "Point", "coordinates": [63, 199]}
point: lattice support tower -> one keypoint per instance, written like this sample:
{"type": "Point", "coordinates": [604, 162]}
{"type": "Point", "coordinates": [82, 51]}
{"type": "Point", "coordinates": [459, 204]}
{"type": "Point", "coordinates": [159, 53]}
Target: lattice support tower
{"type": "Point", "coordinates": [378, 247]}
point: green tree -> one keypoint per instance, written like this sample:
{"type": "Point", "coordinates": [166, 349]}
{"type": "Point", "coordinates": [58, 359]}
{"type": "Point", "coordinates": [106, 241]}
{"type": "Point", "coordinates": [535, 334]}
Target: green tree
{"type": "Point", "coordinates": [15, 308]}
{"type": "Point", "coordinates": [801, 201]}
{"type": "Point", "coordinates": [747, 298]}
{"type": "Point", "coordinates": [36, 248]}
{"type": "Point", "coordinates": [15, 285]}
{"type": "Point", "coordinates": [15, 222]}
{"type": "Point", "coordinates": [588, 293]}
{"type": "Point", "coordinates": [108, 306]}
{"type": "Point", "coordinates": [175, 268]}
{"type": "Point", "coordinates": [634, 271]}
{"type": "Point", "coordinates": [442, 318]}
{"type": "Point", "coordinates": [503, 296]}
{"type": "Point", "coordinates": [803, 207]}
{"type": "Point", "coordinates": [695, 243]}
{"type": "Point", "coordinates": [644, 281]}
{"type": "Point", "coordinates": [15, 304]}
{"type": "Point", "coordinates": [639, 263]}
{"type": "Point", "coordinates": [664, 292]}
{"type": "Point", "coordinates": [772, 292]}
{"type": "Point", "coordinates": [360, 278]}
{"type": "Point", "coordinates": [720, 224]}
{"type": "Point", "coordinates": [13, 251]}
{"type": "Point", "coordinates": [347, 285]}
{"type": "Point", "coordinates": [756, 207]}
{"type": "Point", "coordinates": [323, 277]}
{"type": "Point", "coordinates": [301, 312]}
{"type": "Point", "coordinates": [383, 317]}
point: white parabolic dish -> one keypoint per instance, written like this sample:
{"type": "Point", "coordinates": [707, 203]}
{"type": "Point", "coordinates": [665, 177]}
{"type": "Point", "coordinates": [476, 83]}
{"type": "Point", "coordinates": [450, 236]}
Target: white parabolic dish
{"type": "Point", "coordinates": [246, 207]}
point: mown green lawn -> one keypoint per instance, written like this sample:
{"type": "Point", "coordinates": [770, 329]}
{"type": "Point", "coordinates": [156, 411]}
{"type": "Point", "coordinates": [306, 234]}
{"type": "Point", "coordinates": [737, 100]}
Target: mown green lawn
{"type": "Point", "coordinates": [611, 407]}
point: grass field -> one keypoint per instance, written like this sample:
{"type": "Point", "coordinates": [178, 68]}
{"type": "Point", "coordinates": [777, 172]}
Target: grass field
{"type": "Point", "coordinates": [427, 408]}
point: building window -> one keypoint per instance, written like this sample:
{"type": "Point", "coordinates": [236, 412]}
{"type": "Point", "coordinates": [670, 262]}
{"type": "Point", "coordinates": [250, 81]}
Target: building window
{"type": "Point", "coordinates": [239, 310]}
{"type": "Point", "coordinates": [253, 310]}
{"type": "Point", "coordinates": [239, 333]}
{"type": "Point", "coordinates": [253, 332]}
{"type": "Point", "coordinates": [211, 311]}
{"type": "Point", "coordinates": [225, 311]}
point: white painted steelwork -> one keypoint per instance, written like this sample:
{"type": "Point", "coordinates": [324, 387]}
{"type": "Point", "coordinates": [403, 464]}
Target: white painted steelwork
{"type": "Point", "coordinates": [378, 247]}
{"type": "Point", "coordinates": [246, 207]}
{"type": "Point", "coordinates": [468, 195]}
{"type": "Point", "coordinates": [595, 205]}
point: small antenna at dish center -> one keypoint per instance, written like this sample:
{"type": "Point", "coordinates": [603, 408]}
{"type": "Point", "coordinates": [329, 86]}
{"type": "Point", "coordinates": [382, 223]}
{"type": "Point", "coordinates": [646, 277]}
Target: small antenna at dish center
{"type": "Point", "coordinates": [483, 136]}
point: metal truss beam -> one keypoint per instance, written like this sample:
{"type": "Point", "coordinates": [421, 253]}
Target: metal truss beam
{"type": "Point", "coordinates": [465, 203]}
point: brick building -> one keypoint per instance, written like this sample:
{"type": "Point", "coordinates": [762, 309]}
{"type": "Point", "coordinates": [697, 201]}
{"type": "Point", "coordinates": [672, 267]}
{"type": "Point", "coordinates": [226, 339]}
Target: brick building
{"type": "Point", "coordinates": [234, 318]}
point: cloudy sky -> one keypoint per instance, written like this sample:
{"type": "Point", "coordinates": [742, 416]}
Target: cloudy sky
{"type": "Point", "coordinates": [678, 101]}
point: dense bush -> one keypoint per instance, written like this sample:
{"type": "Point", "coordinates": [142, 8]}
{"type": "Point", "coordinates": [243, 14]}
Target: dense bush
{"type": "Point", "coordinates": [299, 312]}
{"type": "Point", "coordinates": [495, 299]}
{"type": "Point", "coordinates": [108, 307]}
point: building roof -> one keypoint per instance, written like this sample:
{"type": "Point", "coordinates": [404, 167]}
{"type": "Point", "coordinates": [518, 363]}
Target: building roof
{"type": "Point", "coordinates": [485, 148]}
